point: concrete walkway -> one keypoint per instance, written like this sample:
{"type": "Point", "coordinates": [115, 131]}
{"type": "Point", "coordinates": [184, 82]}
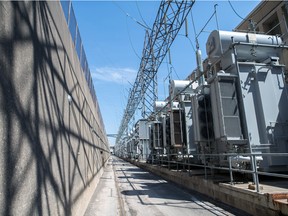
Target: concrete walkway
{"type": "Point", "coordinates": [105, 200]}
{"type": "Point", "coordinates": [126, 190]}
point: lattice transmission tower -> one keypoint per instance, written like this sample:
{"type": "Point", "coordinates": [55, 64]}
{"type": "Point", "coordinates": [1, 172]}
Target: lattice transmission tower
{"type": "Point", "coordinates": [170, 17]}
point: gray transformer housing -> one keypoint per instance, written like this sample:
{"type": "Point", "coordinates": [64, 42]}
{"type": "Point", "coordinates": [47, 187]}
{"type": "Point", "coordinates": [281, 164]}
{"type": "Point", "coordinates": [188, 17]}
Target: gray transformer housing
{"type": "Point", "coordinates": [176, 129]}
{"type": "Point", "coordinates": [225, 108]}
{"type": "Point", "coordinates": [265, 100]}
{"type": "Point", "coordinates": [156, 135]}
{"type": "Point", "coordinates": [142, 130]}
{"type": "Point", "coordinates": [188, 125]}
{"type": "Point", "coordinates": [181, 121]}
{"type": "Point", "coordinates": [249, 95]}
{"type": "Point", "coordinates": [201, 115]}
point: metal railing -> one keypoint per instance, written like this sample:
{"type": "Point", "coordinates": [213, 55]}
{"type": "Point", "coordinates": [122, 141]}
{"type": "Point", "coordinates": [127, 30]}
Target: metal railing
{"type": "Point", "coordinates": [78, 45]}
{"type": "Point", "coordinates": [185, 162]}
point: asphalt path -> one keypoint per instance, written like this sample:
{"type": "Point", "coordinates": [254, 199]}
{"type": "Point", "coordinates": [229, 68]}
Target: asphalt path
{"type": "Point", "coordinates": [127, 190]}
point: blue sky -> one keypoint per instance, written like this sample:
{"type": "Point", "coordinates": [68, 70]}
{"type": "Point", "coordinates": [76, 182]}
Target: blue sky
{"type": "Point", "coordinates": [113, 42]}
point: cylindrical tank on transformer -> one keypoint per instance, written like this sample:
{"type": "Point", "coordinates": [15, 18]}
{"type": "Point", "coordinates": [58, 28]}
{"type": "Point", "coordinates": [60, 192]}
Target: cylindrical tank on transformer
{"type": "Point", "coordinates": [220, 41]}
{"type": "Point", "coordinates": [177, 86]}
{"type": "Point", "coordinates": [159, 105]}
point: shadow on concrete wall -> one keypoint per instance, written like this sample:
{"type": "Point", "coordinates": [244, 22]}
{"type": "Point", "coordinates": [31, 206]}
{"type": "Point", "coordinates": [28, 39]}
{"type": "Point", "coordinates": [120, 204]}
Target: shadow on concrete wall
{"type": "Point", "coordinates": [50, 153]}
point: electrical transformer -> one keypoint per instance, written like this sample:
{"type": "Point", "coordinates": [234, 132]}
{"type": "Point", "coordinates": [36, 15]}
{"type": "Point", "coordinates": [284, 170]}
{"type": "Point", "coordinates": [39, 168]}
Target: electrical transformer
{"type": "Point", "coordinates": [142, 133]}
{"type": "Point", "coordinates": [248, 95]}
{"type": "Point", "coordinates": [202, 117]}
{"type": "Point", "coordinates": [176, 130]}
{"type": "Point", "coordinates": [156, 135]}
{"type": "Point", "coordinates": [161, 108]}
{"type": "Point", "coordinates": [182, 91]}
{"type": "Point", "coordinates": [226, 112]}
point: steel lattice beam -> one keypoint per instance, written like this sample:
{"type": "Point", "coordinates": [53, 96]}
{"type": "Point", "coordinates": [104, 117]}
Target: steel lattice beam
{"type": "Point", "coordinates": [170, 17]}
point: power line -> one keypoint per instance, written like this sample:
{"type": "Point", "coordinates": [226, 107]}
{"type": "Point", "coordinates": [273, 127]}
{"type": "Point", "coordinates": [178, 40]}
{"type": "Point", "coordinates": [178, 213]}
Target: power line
{"type": "Point", "coordinates": [190, 41]}
{"type": "Point", "coordinates": [141, 14]}
{"type": "Point", "coordinates": [130, 40]}
{"type": "Point", "coordinates": [235, 10]}
{"type": "Point", "coordinates": [204, 27]}
{"type": "Point", "coordinates": [128, 15]}
{"type": "Point", "coordinates": [193, 23]}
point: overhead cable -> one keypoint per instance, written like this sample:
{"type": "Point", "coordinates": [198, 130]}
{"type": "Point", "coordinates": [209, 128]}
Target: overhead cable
{"type": "Point", "coordinates": [130, 40]}
{"type": "Point", "coordinates": [141, 15]}
{"type": "Point", "coordinates": [235, 10]}
{"type": "Point", "coordinates": [135, 20]}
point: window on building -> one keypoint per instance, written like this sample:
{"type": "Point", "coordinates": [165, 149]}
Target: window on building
{"type": "Point", "coordinates": [272, 26]}
{"type": "Point", "coordinates": [285, 14]}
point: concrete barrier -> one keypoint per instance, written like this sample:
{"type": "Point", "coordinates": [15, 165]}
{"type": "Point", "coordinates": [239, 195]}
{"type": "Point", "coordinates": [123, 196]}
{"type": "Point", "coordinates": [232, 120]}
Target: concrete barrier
{"type": "Point", "coordinates": [50, 157]}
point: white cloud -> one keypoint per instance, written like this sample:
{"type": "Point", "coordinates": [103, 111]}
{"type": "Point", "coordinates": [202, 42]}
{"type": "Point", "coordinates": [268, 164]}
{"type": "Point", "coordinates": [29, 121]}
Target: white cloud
{"type": "Point", "coordinates": [116, 75]}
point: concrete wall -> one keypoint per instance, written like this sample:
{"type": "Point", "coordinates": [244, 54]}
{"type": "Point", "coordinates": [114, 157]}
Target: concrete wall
{"type": "Point", "coordinates": [50, 159]}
